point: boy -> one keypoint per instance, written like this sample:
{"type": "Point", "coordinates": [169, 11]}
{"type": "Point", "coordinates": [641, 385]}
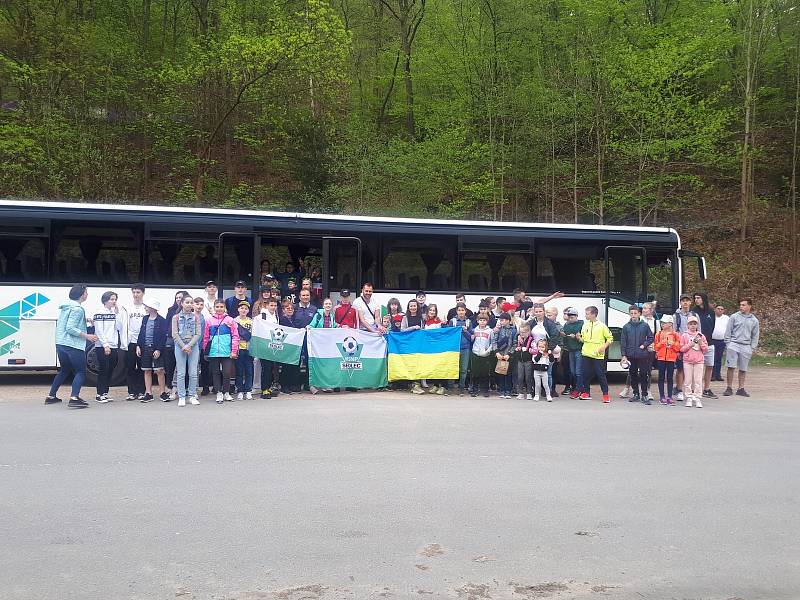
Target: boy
{"type": "Point", "coordinates": [741, 338]}
{"type": "Point", "coordinates": [481, 358]}
{"type": "Point", "coordinates": [136, 313]}
{"type": "Point", "coordinates": [268, 367]}
{"type": "Point", "coordinates": [345, 314]}
{"type": "Point", "coordinates": [681, 325]}
{"type": "Point", "coordinates": [150, 349]}
{"type": "Point", "coordinates": [573, 346]}
{"type": "Point", "coordinates": [211, 297]}
{"type": "Point", "coordinates": [244, 363]}
{"type": "Point", "coordinates": [504, 340]}
{"type": "Point", "coordinates": [421, 298]}
{"type": "Point", "coordinates": [239, 296]}
{"type": "Point", "coordinates": [460, 299]}
{"type": "Point", "coordinates": [596, 338]}
{"type": "Point", "coordinates": [635, 347]}
{"type": "Point", "coordinates": [465, 347]}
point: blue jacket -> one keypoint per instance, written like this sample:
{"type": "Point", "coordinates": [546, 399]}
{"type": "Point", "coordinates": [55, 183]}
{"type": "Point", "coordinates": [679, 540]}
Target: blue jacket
{"type": "Point", "coordinates": [232, 305]}
{"type": "Point", "coordinates": [303, 316]}
{"type": "Point", "coordinates": [71, 323]}
{"type": "Point", "coordinates": [160, 332]}
{"type": "Point", "coordinates": [635, 335]}
{"type": "Point", "coordinates": [466, 340]}
{"type": "Point", "coordinates": [505, 340]}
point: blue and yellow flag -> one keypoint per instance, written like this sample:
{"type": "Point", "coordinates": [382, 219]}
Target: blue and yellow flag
{"type": "Point", "coordinates": [424, 354]}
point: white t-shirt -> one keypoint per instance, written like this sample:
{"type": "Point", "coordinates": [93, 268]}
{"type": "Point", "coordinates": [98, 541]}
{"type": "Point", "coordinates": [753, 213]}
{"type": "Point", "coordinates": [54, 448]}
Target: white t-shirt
{"type": "Point", "coordinates": [720, 325]}
{"type": "Point", "coordinates": [370, 313]}
{"type": "Point", "coordinates": [268, 317]}
{"type": "Point", "coordinates": [135, 315]}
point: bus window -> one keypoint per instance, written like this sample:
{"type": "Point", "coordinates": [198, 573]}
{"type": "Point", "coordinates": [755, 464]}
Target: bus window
{"type": "Point", "coordinates": [183, 264]}
{"type": "Point", "coordinates": [23, 259]}
{"type": "Point", "coordinates": [660, 286]}
{"type": "Point", "coordinates": [571, 268]}
{"type": "Point", "coordinates": [417, 265]}
{"type": "Point", "coordinates": [494, 271]}
{"type": "Point", "coordinates": [95, 253]}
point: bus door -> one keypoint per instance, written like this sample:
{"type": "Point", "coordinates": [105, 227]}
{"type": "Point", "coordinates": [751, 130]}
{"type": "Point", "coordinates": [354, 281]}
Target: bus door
{"type": "Point", "coordinates": [625, 284]}
{"type": "Point", "coordinates": [238, 255]}
{"type": "Point", "coordinates": [341, 265]}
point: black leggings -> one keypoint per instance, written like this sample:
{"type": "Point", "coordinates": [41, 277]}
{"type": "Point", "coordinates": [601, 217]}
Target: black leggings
{"type": "Point", "coordinates": [221, 372]}
{"type": "Point", "coordinates": [106, 364]}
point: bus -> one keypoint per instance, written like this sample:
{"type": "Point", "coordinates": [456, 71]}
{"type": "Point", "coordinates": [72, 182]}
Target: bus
{"type": "Point", "coordinates": [45, 247]}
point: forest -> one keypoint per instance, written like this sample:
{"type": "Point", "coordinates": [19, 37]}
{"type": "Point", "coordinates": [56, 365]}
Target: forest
{"type": "Point", "coordinates": [655, 112]}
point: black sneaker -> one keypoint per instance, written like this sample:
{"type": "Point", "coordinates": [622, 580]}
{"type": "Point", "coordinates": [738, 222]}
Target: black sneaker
{"type": "Point", "coordinates": [742, 392]}
{"type": "Point", "coordinates": [146, 398]}
{"type": "Point", "coordinates": [635, 398]}
{"type": "Point", "coordinates": [142, 396]}
{"type": "Point", "coordinates": [76, 402]}
{"type": "Point", "coordinates": [709, 394]}
{"type": "Point", "coordinates": [52, 400]}
{"type": "Point", "coordinates": [165, 397]}
{"type": "Point", "coordinates": [567, 391]}
{"type": "Point", "coordinates": [727, 392]}
{"type": "Point", "coordinates": [131, 397]}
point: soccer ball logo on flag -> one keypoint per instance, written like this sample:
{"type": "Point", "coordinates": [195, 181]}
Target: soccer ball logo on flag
{"type": "Point", "coordinates": [350, 350]}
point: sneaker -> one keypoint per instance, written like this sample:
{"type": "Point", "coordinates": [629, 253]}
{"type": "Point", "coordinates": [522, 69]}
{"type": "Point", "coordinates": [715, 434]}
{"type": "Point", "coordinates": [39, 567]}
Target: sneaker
{"type": "Point", "coordinates": [727, 392]}
{"type": "Point", "coordinates": [417, 389]}
{"type": "Point", "coordinates": [314, 390]}
{"type": "Point", "coordinates": [520, 396]}
{"type": "Point", "coordinates": [670, 402]}
{"type": "Point", "coordinates": [182, 401]}
{"type": "Point", "coordinates": [486, 394]}
{"type": "Point", "coordinates": [227, 397]}
{"type": "Point", "coordinates": [528, 397]}
{"type": "Point", "coordinates": [625, 393]}
{"type": "Point", "coordinates": [679, 397]}
{"type": "Point", "coordinates": [650, 396]}
{"type": "Point", "coordinates": [688, 401]}
{"type": "Point", "coordinates": [194, 400]}
{"type": "Point", "coordinates": [266, 394]}
{"type": "Point", "coordinates": [574, 395]}
{"type": "Point", "coordinates": [647, 401]}
{"type": "Point", "coordinates": [240, 396]}
{"type": "Point", "coordinates": [473, 394]}
{"type": "Point", "coordinates": [145, 398]}
{"type": "Point", "coordinates": [101, 399]}
{"type": "Point", "coordinates": [567, 391]}
{"type": "Point", "coordinates": [536, 398]}
{"type": "Point", "coordinates": [440, 391]}
{"type": "Point", "coordinates": [108, 398]}
{"type": "Point", "coordinates": [697, 403]}
{"type": "Point", "coordinates": [77, 402]}
{"type": "Point", "coordinates": [742, 392]}
{"type": "Point", "coordinates": [131, 397]}
{"type": "Point", "coordinates": [709, 394]}
{"type": "Point", "coordinates": [549, 398]}
{"type": "Point", "coordinates": [220, 398]}
{"type": "Point", "coordinates": [165, 397]}
{"type": "Point", "coordinates": [248, 395]}
{"type": "Point", "coordinates": [204, 392]}
{"type": "Point", "coordinates": [52, 400]}
{"type": "Point", "coordinates": [173, 394]}
{"type": "Point", "coordinates": [634, 398]}
{"type": "Point", "coordinates": [585, 396]}
{"type": "Point", "coordinates": [606, 399]}
{"type": "Point", "coordinates": [662, 400]}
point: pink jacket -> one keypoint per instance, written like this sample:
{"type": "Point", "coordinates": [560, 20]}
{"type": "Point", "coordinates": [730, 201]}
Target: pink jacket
{"type": "Point", "coordinates": [693, 357]}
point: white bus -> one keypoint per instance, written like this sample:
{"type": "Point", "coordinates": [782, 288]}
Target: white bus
{"type": "Point", "coordinates": [45, 247]}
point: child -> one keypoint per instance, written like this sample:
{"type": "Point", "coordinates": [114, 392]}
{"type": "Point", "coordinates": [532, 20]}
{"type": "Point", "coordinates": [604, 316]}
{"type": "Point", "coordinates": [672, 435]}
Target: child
{"type": "Point", "coordinates": [421, 299]}
{"type": "Point", "coordinates": [324, 317]}
{"type": "Point", "coordinates": [186, 328]}
{"type": "Point", "coordinates": [108, 329]}
{"type": "Point", "coordinates": [465, 348]}
{"type": "Point", "coordinates": [268, 311]}
{"type": "Point", "coordinates": [573, 345]}
{"type": "Point", "coordinates": [542, 359]}
{"type": "Point", "coordinates": [412, 321]}
{"type": "Point", "coordinates": [634, 346]}
{"type": "Point", "coordinates": [432, 321]}
{"type": "Point", "coordinates": [667, 345]}
{"type": "Point", "coordinates": [693, 346]}
{"type": "Point", "coordinates": [395, 314]}
{"type": "Point", "coordinates": [221, 343]}
{"type": "Point", "coordinates": [386, 321]}
{"type": "Point", "coordinates": [244, 362]}
{"type": "Point", "coordinates": [290, 374]}
{"type": "Point", "coordinates": [504, 340]}
{"type": "Point", "coordinates": [201, 312]}
{"type": "Point", "coordinates": [523, 355]}
{"type": "Point", "coordinates": [150, 349]}
{"type": "Point", "coordinates": [481, 359]}
{"type": "Point", "coordinates": [596, 338]}
{"type": "Point", "coordinates": [551, 314]}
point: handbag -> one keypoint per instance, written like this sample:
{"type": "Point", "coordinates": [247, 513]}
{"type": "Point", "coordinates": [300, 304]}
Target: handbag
{"type": "Point", "coordinates": [502, 367]}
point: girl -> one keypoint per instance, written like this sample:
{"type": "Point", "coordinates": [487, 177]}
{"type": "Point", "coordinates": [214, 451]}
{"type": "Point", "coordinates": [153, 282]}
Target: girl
{"type": "Point", "coordinates": [108, 328]}
{"type": "Point", "coordinates": [666, 344]}
{"type": "Point", "coordinates": [523, 355]}
{"type": "Point", "coordinates": [323, 319]}
{"type": "Point", "coordinates": [693, 346]}
{"type": "Point", "coordinates": [412, 321]}
{"type": "Point", "coordinates": [221, 343]}
{"type": "Point", "coordinates": [395, 313]}
{"type": "Point", "coordinates": [432, 321]}
{"type": "Point", "coordinates": [186, 329]}
{"type": "Point", "coordinates": [260, 305]}
{"type": "Point", "coordinates": [244, 362]}
{"type": "Point", "coordinates": [169, 354]}
{"type": "Point", "coordinates": [542, 359]}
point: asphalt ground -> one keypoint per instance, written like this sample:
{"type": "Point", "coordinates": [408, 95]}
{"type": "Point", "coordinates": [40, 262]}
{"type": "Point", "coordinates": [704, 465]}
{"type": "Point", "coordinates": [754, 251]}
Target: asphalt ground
{"type": "Point", "coordinates": [387, 495]}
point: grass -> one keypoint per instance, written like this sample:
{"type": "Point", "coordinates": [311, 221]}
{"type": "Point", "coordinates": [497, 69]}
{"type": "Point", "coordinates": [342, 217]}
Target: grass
{"type": "Point", "coordinates": [777, 361]}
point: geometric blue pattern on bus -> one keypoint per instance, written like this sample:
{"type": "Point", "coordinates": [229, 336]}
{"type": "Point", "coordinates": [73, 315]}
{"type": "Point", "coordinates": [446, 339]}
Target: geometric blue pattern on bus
{"type": "Point", "coordinates": [11, 315]}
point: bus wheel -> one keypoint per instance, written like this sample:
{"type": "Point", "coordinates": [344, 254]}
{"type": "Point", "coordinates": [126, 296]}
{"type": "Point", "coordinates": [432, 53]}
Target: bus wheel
{"type": "Point", "coordinates": [118, 376]}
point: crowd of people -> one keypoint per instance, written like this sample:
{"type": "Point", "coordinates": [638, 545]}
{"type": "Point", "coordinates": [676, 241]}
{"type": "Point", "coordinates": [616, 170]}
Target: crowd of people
{"type": "Point", "coordinates": [516, 347]}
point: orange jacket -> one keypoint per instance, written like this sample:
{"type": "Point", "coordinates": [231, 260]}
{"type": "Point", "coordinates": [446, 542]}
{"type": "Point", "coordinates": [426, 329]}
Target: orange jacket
{"type": "Point", "coordinates": [663, 352]}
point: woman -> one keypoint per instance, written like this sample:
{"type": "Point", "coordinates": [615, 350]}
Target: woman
{"type": "Point", "coordinates": [71, 338]}
{"type": "Point", "coordinates": [412, 321]}
{"type": "Point", "coordinates": [169, 347]}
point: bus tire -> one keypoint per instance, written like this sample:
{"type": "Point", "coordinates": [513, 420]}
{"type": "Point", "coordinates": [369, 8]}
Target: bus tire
{"type": "Point", "coordinates": [118, 377]}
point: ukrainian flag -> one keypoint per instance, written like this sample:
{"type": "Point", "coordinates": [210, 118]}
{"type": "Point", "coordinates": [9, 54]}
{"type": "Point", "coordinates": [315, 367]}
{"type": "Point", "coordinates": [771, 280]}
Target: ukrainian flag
{"type": "Point", "coordinates": [424, 354]}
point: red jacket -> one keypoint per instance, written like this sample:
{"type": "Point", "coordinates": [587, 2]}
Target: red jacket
{"type": "Point", "coordinates": [663, 352]}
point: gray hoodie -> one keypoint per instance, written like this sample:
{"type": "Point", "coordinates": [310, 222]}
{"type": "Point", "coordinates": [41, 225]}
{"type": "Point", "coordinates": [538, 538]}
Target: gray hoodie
{"type": "Point", "coordinates": [743, 329]}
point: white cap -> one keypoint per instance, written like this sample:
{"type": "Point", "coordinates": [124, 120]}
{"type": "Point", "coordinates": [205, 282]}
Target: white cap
{"type": "Point", "coordinates": [667, 319]}
{"type": "Point", "coordinates": [152, 303]}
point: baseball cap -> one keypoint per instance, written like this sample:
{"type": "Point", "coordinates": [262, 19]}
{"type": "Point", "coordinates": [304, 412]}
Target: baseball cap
{"type": "Point", "coordinates": [152, 303]}
{"type": "Point", "coordinates": [243, 303]}
{"type": "Point", "coordinates": [240, 283]}
{"type": "Point", "coordinates": [211, 282]}
{"type": "Point", "coordinates": [269, 276]}
{"type": "Point", "coordinates": [667, 319]}
{"type": "Point", "coordinates": [344, 293]}
{"type": "Point", "coordinates": [692, 318]}
{"type": "Point", "coordinates": [572, 311]}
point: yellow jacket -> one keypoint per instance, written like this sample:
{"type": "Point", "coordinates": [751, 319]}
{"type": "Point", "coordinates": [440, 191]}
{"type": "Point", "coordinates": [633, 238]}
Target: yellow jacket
{"type": "Point", "coordinates": [595, 334]}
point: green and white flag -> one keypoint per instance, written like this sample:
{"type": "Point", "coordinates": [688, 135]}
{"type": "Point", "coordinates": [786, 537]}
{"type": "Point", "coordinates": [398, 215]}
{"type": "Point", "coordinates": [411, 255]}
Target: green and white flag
{"type": "Point", "coordinates": [276, 342]}
{"type": "Point", "coordinates": [344, 357]}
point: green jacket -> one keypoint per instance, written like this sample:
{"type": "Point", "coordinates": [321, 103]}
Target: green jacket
{"type": "Point", "coordinates": [572, 344]}
{"type": "Point", "coordinates": [595, 334]}
{"type": "Point", "coordinates": [318, 320]}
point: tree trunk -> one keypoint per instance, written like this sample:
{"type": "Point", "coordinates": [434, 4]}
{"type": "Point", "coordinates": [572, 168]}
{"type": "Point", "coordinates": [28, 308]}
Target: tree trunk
{"type": "Point", "coordinates": [409, 84]}
{"type": "Point", "coordinates": [793, 187]}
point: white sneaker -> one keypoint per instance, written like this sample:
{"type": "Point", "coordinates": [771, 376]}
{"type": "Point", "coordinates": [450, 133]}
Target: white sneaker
{"type": "Point", "coordinates": [625, 393]}
{"type": "Point", "coordinates": [173, 394]}
{"type": "Point", "coordinates": [417, 389]}
{"type": "Point", "coordinates": [688, 401]}
{"type": "Point", "coordinates": [240, 396]}
{"type": "Point", "coordinates": [679, 397]}
{"type": "Point", "coordinates": [194, 400]}
{"type": "Point", "coordinates": [528, 397]}
{"type": "Point", "coordinates": [698, 403]}
{"type": "Point", "coordinates": [520, 396]}
{"type": "Point", "coordinates": [549, 398]}
{"type": "Point", "coordinates": [313, 389]}
{"type": "Point", "coordinates": [220, 398]}
{"type": "Point", "coordinates": [249, 395]}
{"type": "Point", "coordinates": [535, 398]}
{"type": "Point", "coordinates": [227, 396]}
{"type": "Point", "coordinates": [102, 399]}
{"type": "Point", "coordinates": [181, 401]}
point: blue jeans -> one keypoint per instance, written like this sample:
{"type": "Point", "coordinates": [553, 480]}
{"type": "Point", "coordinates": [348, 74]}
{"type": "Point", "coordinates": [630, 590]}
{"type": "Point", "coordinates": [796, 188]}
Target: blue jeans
{"type": "Point", "coordinates": [590, 367]}
{"type": "Point", "coordinates": [463, 367]}
{"type": "Point", "coordinates": [71, 361]}
{"type": "Point", "coordinates": [244, 371]}
{"type": "Point", "coordinates": [187, 363]}
{"type": "Point", "coordinates": [719, 348]}
{"type": "Point", "coordinates": [576, 369]}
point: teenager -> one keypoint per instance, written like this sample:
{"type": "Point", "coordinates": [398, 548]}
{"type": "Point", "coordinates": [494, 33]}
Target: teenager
{"type": "Point", "coordinates": [504, 340]}
{"type": "Point", "coordinates": [707, 321]}
{"type": "Point", "coordinates": [573, 345]}
{"type": "Point", "coordinates": [465, 345]}
{"type": "Point", "coordinates": [412, 321]}
{"type": "Point", "coordinates": [394, 310]}
{"type": "Point", "coordinates": [108, 329]}
{"type": "Point", "coordinates": [681, 326]}
{"type": "Point", "coordinates": [221, 343]}
{"type": "Point", "coordinates": [596, 338]}
{"type": "Point", "coordinates": [150, 347]}
{"type": "Point", "coordinates": [481, 359]}
{"type": "Point", "coordinates": [169, 348]}
{"type": "Point", "coordinates": [133, 364]}
{"type": "Point", "coordinates": [635, 348]}
{"type": "Point", "coordinates": [718, 340]}
{"type": "Point", "coordinates": [186, 330]}
{"type": "Point", "coordinates": [289, 374]}
{"type": "Point", "coordinates": [461, 298]}
{"type": "Point", "coordinates": [346, 315]}
{"type": "Point", "coordinates": [239, 296]}
{"type": "Point", "coordinates": [269, 313]}
{"type": "Point", "coordinates": [741, 339]}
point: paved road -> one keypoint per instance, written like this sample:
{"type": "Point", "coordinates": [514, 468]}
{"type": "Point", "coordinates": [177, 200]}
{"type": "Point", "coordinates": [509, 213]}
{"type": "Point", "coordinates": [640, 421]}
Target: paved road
{"type": "Point", "coordinates": [384, 495]}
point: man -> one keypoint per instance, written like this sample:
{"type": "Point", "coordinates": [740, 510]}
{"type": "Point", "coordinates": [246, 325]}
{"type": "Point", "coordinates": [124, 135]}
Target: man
{"type": "Point", "coordinates": [634, 345]}
{"type": "Point", "coordinates": [741, 339]}
{"type": "Point", "coordinates": [453, 312]}
{"type": "Point", "coordinates": [239, 295]}
{"type": "Point", "coordinates": [133, 364]}
{"type": "Point", "coordinates": [303, 313]}
{"type": "Point", "coordinates": [369, 311]}
{"type": "Point", "coordinates": [596, 338]}
{"type": "Point", "coordinates": [498, 306]}
{"type": "Point", "coordinates": [681, 326]}
{"type": "Point", "coordinates": [345, 315]}
{"type": "Point", "coordinates": [718, 340]}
